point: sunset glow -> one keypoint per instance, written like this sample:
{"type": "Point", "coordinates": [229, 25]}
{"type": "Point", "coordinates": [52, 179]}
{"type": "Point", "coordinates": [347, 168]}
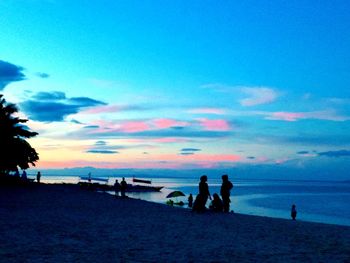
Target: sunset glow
{"type": "Point", "coordinates": [180, 85]}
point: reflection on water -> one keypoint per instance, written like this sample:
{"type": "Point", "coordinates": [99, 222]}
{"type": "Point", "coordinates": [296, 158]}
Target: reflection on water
{"type": "Point", "coordinates": [327, 202]}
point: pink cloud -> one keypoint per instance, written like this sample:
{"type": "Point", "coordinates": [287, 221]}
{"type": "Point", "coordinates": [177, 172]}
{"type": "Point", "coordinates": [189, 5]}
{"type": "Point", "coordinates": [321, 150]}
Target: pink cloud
{"type": "Point", "coordinates": [167, 123]}
{"type": "Point", "coordinates": [170, 140]}
{"type": "Point", "coordinates": [126, 126]}
{"type": "Point", "coordinates": [202, 158]}
{"type": "Point", "coordinates": [134, 126]}
{"type": "Point", "coordinates": [207, 111]}
{"type": "Point", "coordinates": [217, 157]}
{"type": "Point", "coordinates": [169, 161]}
{"type": "Point", "coordinates": [76, 163]}
{"type": "Point", "coordinates": [214, 125]}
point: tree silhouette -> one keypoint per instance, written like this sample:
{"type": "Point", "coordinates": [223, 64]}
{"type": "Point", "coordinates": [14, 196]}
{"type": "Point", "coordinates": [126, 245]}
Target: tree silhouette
{"type": "Point", "coordinates": [15, 151]}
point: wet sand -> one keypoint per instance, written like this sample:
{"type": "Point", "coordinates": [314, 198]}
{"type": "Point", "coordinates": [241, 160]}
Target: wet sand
{"type": "Point", "coordinates": [62, 223]}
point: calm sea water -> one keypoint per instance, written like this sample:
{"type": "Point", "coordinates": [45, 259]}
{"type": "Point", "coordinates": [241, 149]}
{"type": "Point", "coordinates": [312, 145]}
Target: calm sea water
{"type": "Point", "coordinates": [316, 201]}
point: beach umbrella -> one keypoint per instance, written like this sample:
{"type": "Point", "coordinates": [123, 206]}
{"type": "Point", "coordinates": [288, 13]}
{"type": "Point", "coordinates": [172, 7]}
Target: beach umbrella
{"type": "Point", "coordinates": [175, 194]}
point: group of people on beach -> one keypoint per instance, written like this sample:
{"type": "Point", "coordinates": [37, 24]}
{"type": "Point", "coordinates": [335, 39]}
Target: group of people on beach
{"type": "Point", "coordinates": [199, 204]}
{"type": "Point", "coordinates": [120, 187]}
{"type": "Point", "coordinates": [24, 176]}
{"type": "Point", "coordinates": [217, 204]}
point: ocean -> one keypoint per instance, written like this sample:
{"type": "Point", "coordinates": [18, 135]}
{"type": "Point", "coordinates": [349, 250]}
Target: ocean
{"type": "Point", "coordinates": [316, 201]}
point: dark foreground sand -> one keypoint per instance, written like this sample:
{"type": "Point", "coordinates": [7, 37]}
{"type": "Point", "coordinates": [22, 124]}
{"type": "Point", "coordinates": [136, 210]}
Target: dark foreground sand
{"type": "Point", "coordinates": [61, 223]}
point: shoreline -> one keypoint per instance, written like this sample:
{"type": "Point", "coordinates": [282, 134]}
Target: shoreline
{"type": "Point", "coordinates": [60, 222]}
{"type": "Point", "coordinates": [245, 207]}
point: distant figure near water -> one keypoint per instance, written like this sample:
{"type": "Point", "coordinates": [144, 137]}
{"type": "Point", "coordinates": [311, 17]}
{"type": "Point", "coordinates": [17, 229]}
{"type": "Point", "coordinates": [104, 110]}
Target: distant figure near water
{"type": "Point", "coordinates": [293, 212]}
{"type": "Point", "coordinates": [24, 175]}
{"type": "Point", "coordinates": [225, 192]}
{"type": "Point", "coordinates": [190, 201]}
{"type": "Point", "coordinates": [116, 188]}
{"type": "Point", "coordinates": [123, 186]}
{"type": "Point", "coordinates": [38, 176]}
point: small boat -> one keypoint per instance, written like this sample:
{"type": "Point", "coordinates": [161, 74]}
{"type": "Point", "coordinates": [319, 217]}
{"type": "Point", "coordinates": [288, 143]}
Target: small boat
{"type": "Point", "coordinates": [144, 187]}
{"type": "Point", "coordinates": [135, 180]}
{"type": "Point", "coordinates": [89, 179]}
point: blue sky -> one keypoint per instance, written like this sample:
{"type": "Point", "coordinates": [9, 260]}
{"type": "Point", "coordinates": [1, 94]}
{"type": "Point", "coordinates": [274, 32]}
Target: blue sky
{"type": "Point", "coordinates": [181, 84]}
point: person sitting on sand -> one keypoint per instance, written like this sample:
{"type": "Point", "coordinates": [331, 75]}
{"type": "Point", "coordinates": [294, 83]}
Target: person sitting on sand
{"type": "Point", "coordinates": [293, 212]}
{"type": "Point", "coordinates": [116, 188]}
{"type": "Point", "coordinates": [198, 204]}
{"type": "Point", "coordinates": [225, 192]}
{"type": "Point", "coordinates": [190, 201]}
{"type": "Point", "coordinates": [216, 205]}
{"type": "Point", "coordinates": [204, 191]}
{"type": "Point", "coordinates": [123, 186]}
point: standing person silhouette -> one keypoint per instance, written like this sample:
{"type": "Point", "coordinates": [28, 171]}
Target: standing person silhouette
{"type": "Point", "coordinates": [203, 192]}
{"type": "Point", "coordinates": [24, 175]}
{"type": "Point", "coordinates": [116, 188]}
{"type": "Point", "coordinates": [225, 192]}
{"type": "Point", "coordinates": [38, 176]}
{"type": "Point", "coordinates": [293, 212]}
{"type": "Point", "coordinates": [123, 186]}
{"type": "Point", "coordinates": [190, 201]}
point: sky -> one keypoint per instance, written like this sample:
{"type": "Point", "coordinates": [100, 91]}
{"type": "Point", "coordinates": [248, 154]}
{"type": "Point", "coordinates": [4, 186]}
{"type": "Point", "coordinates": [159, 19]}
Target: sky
{"type": "Point", "coordinates": [182, 84]}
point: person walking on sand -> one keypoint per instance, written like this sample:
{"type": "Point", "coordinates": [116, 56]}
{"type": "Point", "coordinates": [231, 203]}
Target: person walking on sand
{"type": "Point", "coordinates": [190, 201]}
{"type": "Point", "coordinates": [225, 192]}
{"type": "Point", "coordinates": [203, 191]}
{"type": "Point", "coordinates": [116, 188]}
{"type": "Point", "coordinates": [38, 176]}
{"type": "Point", "coordinates": [123, 186]}
{"type": "Point", "coordinates": [293, 212]}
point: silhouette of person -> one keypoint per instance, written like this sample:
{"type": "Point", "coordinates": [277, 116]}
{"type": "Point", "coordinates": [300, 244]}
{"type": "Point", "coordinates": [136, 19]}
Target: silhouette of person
{"type": "Point", "coordinates": [293, 212]}
{"type": "Point", "coordinates": [116, 188]}
{"type": "Point", "coordinates": [24, 175]}
{"type": "Point", "coordinates": [216, 204]}
{"type": "Point", "coordinates": [225, 192]}
{"type": "Point", "coordinates": [17, 174]}
{"type": "Point", "coordinates": [198, 204]}
{"type": "Point", "coordinates": [203, 191]}
{"type": "Point", "coordinates": [123, 186]}
{"type": "Point", "coordinates": [190, 201]}
{"type": "Point", "coordinates": [38, 176]}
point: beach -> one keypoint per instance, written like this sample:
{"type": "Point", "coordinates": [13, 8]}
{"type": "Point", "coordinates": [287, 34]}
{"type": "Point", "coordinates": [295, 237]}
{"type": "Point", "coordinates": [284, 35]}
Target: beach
{"type": "Point", "coordinates": [62, 223]}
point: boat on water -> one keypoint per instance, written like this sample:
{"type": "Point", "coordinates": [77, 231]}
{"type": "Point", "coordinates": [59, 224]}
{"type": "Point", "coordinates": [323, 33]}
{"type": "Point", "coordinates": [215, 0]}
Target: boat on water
{"type": "Point", "coordinates": [142, 186]}
{"type": "Point", "coordinates": [138, 185]}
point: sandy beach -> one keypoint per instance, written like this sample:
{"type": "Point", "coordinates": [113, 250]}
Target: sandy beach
{"type": "Point", "coordinates": [62, 223]}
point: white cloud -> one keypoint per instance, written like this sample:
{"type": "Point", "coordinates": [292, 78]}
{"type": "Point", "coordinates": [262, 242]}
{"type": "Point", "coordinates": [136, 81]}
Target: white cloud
{"type": "Point", "coordinates": [258, 96]}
